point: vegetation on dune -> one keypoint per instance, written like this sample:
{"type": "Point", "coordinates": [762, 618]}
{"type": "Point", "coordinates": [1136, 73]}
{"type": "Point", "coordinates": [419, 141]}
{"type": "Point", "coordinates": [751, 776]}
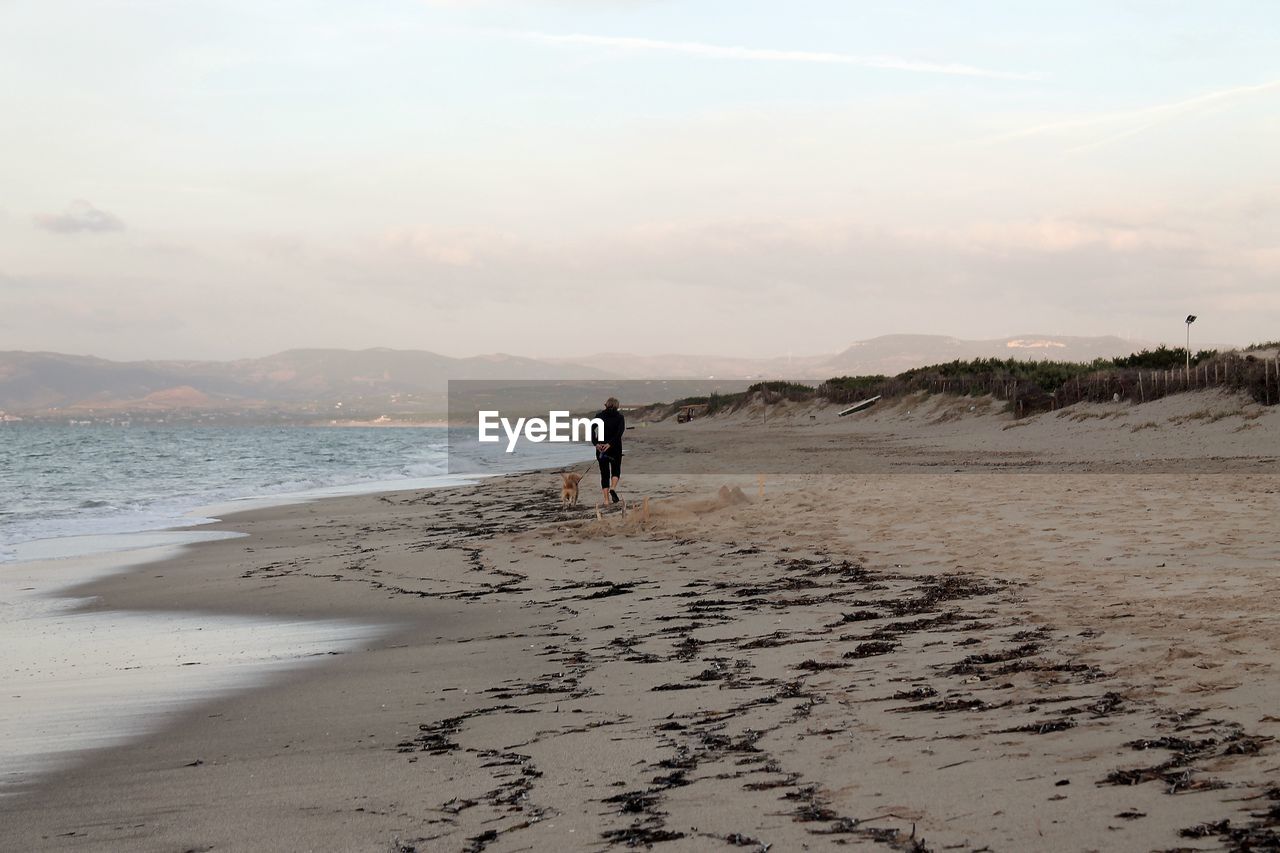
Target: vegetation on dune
{"type": "Point", "coordinates": [778, 389]}
{"type": "Point", "coordinates": [1035, 386]}
{"type": "Point", "coordinates": [1161, 358]}
{"type": "Point", "coordinates": [852, 386]}
{"type": "Point", "coordinates": [1048, 375]}
{"type": "Point", "coordinates": [714, 402]}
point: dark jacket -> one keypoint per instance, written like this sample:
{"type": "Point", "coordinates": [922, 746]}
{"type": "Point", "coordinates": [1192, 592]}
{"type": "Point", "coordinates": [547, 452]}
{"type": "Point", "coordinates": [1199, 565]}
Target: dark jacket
{"type": "Point", "coordinates": [614, 425]}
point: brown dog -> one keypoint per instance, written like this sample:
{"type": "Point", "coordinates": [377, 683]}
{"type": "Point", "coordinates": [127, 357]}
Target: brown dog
{"type": "Point", "coordinates": [569, 489]}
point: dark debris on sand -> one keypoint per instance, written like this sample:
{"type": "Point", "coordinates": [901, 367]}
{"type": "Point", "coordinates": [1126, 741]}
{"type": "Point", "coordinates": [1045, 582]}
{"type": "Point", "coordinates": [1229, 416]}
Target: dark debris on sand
{"type": "Point", "coordinates": [744, 717]}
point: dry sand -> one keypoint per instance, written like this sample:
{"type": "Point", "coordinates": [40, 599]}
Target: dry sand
{"type": "Point", "coordinates": [946, 631]}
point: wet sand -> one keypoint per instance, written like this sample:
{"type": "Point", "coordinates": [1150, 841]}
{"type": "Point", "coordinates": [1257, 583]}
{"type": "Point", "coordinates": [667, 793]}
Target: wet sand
{"type": "Point", "coordinates": [965, 636]}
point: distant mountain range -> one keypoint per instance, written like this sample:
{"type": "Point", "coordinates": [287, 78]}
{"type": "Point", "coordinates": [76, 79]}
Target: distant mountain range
{"type": "Point", "coordinates": [331, 384]}
{"type": "Point", "coordinates": [313, 381]}
{"type": "Point", "coordinates": [887, 355]}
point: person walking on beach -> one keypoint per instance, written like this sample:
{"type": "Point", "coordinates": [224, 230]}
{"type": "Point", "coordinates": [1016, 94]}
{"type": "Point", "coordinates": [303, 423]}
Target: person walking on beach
{"type": "Point", "coordinates": [609, 451]}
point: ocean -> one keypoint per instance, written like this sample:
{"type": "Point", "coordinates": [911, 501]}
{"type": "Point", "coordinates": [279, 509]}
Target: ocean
{"type": "Point", "coordinates": [67, 481]}
{"type": "Point", "coordinates": [78, 502]}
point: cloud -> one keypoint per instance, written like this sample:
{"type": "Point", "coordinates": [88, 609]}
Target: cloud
{"type": "Point", "coordinates": [749, 54]}
{"type": "Point", "coordinates": [1139, 120]}
{"type": "Point", "coordinates": [79, 217]}
{"type": "Point", "coordinates": [450, 247]}
{"type": "Point", "coordinates": [710, 283]}
{"type": "Point", "coordinates": [992, 273]}
{"type": "Point", "coordinates": [1061, 235]}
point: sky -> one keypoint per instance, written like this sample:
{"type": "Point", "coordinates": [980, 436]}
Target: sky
{"type": "Point", "coordinates": [232, 178]}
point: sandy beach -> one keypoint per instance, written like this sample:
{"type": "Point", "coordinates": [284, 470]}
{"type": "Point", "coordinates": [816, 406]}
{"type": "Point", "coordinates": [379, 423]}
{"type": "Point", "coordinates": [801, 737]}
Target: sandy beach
{"type": "Point", "coordinates": [943, 630]}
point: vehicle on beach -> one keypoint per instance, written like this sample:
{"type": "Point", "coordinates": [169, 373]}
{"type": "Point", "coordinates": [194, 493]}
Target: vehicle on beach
{"type": "Point", "coordinates": [688, 413]}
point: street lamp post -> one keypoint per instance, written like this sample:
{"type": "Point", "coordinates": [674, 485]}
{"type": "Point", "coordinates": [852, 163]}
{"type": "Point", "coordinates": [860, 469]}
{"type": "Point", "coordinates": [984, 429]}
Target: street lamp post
{"type": "Point", "coordinates": [1191, 318]}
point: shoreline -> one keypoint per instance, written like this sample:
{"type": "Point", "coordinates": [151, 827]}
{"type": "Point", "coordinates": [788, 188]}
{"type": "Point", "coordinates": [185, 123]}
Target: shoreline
{"type": "Point", "coordinates": [42, 593]}
{"type": "Point", "coordinates": [78, 678]}
{"type": "Point", "coordinates": [869, 657]}
{"type": "Point", "coordinates": [202, 516]}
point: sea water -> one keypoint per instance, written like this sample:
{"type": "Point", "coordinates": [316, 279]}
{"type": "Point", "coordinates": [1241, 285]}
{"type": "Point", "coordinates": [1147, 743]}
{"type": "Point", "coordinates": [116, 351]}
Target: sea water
{"type": "Point", "coordinates": [78, 502]}
{"type": "Point", "coordinates": [96, 481]}
{"type": "Point", "coordinates": [71, 681]}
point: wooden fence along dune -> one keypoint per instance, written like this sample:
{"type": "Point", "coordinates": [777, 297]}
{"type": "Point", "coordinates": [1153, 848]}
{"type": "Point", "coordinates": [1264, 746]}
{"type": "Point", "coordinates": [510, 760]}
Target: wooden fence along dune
{"type": "Point", "coordinates": [1259, 377]}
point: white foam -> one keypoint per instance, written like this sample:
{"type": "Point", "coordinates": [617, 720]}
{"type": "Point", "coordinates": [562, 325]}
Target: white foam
{"type": "Point", "coordinates": [73, 680]}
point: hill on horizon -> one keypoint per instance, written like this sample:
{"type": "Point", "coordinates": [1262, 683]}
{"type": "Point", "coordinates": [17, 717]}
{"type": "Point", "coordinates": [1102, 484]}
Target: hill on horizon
{"type": "Point", "coordinates": [302, 380]}
{"type": "Point", "coordinates": [886, 354]}
{"type": "Point", "coordinates": [317, 383]}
